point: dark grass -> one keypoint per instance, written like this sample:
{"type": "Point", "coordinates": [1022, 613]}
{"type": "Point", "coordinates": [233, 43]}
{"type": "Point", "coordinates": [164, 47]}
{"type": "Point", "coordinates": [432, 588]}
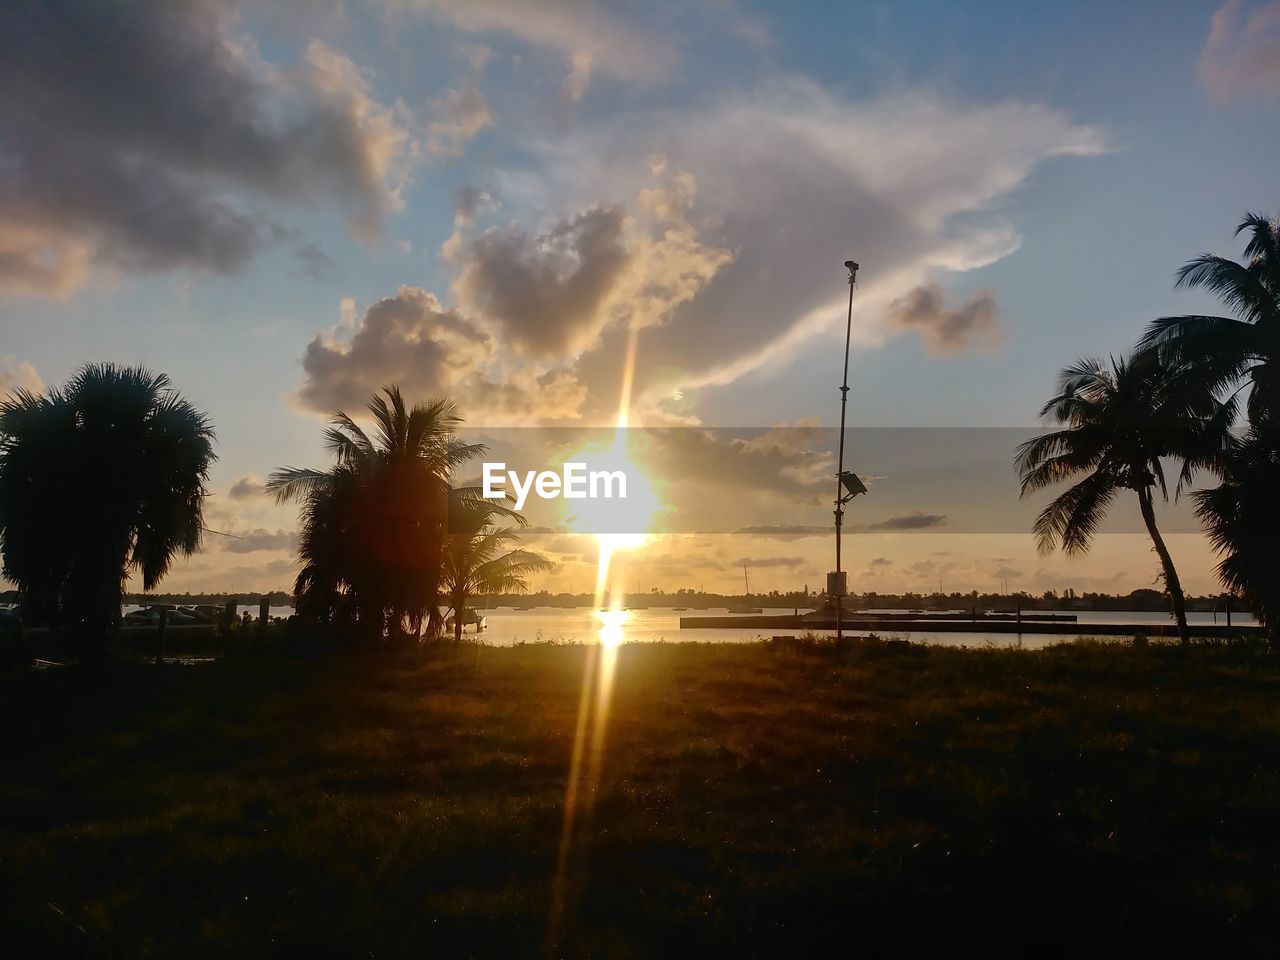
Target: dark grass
{"type": "Point", "coordinates": [886, 799]}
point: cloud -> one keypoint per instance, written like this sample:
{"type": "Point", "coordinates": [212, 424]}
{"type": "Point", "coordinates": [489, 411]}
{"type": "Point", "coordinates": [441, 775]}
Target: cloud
{"type": "Point", "coordinates": [788, 531]}
{"type": "Point", "coordinates": [412, 340]}
{"type": "Point", "coordinates": [902, 523]}
{"type": "Point", "coordinates": [546, 291]}
{"type": "Point", "coordinates": [788, 562]}
{"type": "Point", "coordinates": [18, 374]}
{"type": "Point", "coordinates": [146, 136]}
{"type": "Point", "coordinates": [252, 541]}
{"type": "Point", "coordinates": [248, 487]}
{"type": "Point", "coordinates": [471, 202]}
{"type": "Point", "coordinates": [1242, 52]}
{"type": "Point", "coordinates": [581, 31]}
{"type": "Point", "coordinates": [773, 463]}
{"type": "Point", "coordinates": [946, 331]}
{"type": "Point", "coordinates": [455, 118]}
{"type": "Point", "coordinates": [317, 264]}
{"type": "Point", "coordinates": [785, 174]}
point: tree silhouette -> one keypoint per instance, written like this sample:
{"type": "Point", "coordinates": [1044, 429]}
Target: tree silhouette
{"type": "Point", "coordinates": [373, 525]}
{"type": "Point", "coordinates": [1242, 516]}
{"type": "Point", "coordinates": [1118, 422]}
{"type": "Point", "coordinates": [99, 478]}
{"type": "Point", "coordinates": [1245, 347]}
{"type": "Point", "coordinates": [474, 563]}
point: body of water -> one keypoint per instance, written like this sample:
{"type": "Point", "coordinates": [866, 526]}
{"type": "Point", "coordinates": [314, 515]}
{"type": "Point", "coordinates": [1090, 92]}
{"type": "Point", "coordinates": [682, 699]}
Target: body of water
{"type": "Point", "coordinates": [507, 626]}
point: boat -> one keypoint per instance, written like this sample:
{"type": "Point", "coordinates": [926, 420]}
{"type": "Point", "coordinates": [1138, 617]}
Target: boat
{"type": "Point", "coordinates": [744, 606]}
{"type": "Point", "coordinates": [470, 619]}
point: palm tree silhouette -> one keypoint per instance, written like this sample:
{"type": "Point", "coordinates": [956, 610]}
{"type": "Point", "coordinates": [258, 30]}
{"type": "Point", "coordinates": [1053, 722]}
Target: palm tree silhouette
{"type": "Point", "coordinates": [1119, 421]}
{"type": "Point", "coordinates": [373, 525]}
{"type": "Point", "coordinates": [1227, 350]}
{"type": "Point", "coordinates": [1242, 517]}
{"type": "Point", "coordinates": [97, 479]}
{"type": "Point", "coordinates": [473, 562]}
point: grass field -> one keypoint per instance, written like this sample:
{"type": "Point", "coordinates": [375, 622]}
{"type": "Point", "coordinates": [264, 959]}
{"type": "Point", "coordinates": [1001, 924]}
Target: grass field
{"type": "Point", "coordinates": [752, 801]}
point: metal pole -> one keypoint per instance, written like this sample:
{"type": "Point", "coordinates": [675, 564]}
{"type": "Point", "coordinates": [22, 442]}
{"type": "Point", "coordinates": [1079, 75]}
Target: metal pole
{"type": "Point", "coordinates": [844, 402]}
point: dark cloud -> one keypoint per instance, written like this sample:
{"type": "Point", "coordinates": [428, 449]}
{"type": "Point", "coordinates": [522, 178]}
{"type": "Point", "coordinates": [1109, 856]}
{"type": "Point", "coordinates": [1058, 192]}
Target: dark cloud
{"type": "Point", "coordinates": [412, 340]}
{"type": "Point", "coordinates": [547, 292]}
{"type": "Point", "coordinates": [247, 488]}
{"type": "Point", "coordinates": [899, 524]}
{"type": "Point", "coordinates": [787, 531]}
{"type": "Point", "coordinates": [251, 541]}
{"type": "Point", "coordinates": [788, 562]}
{"type": "Point", "coordinates": [409, 339]}
{"type": "Point", "coordinates": [945, 330]}
{"type": "Point", "coordinates": [140, 134]}
{"type": "Point", "coordinates": [470, 202]}
{"type": "Point", "coordinates": [317, 264]}
{"type": "Point", "coordinates": [779, 461]}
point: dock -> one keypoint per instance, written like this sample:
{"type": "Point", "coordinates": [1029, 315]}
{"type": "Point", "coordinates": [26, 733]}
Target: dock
{"type": "Point", "coordinates": [990, 623]}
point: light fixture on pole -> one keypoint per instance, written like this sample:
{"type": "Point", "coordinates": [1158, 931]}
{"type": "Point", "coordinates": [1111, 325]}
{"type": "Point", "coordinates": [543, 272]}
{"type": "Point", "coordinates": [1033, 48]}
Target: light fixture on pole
{"type": "Point", "coordinates": [848, 485]}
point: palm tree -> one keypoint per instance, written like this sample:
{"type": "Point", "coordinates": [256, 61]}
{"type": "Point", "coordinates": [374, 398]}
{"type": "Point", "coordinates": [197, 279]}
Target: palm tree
{"type": "Point", "coordinates": [373, 525]}
{"type": "Point", "coordinates": [1238, 352]}
{"type": "Point", "coordinates": [1118, 422]}
{"type": "Point", "coordinates": [1242, 516]}
{"type": "Point", "coordinates": [473, 562]}
{"type": "Point", "coordinates": [1246, 346]}
{"type": "Point", "coordinates": [97, 479]}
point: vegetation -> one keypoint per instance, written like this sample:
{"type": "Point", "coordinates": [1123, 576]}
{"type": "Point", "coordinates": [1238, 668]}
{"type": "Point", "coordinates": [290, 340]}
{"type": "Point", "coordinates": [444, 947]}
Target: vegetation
{"type": "Point", "coordinates": [1226, 351]}
{"type": "Point", "coordinates": [374, 525]}
{"type": "Point", "coordinates": [751, 802]}
{"type": "Point", "coordinates": [1118, 421]}
{"type": "Point", "coordinates": [1232, 354]}
{"type": "Point", "coordinates": [103, 476]}
{"type": "Point", "coordinates": [1176, 397]}
{"type": "Point", "coordinates": [1242, 517]}
{"type": "Point", "coordinates": [473, 562]}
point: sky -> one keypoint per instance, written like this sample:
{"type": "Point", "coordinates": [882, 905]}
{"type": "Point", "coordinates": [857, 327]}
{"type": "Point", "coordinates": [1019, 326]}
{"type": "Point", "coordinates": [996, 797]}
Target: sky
{"type": "Point", "coordinates": [285, 206]}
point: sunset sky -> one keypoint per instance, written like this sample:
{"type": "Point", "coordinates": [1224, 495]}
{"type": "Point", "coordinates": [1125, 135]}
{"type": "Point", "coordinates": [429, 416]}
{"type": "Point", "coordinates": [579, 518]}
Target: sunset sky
{"type": "Point", "coordinates": [285, 206]}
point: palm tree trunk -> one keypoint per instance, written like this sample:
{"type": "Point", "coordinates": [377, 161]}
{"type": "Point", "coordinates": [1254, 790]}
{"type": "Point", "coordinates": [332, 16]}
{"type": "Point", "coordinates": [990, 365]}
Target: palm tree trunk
{"type": "Point", "coordinates": [459, 604]}
{"type": "Point", "coordinates": [1171, 581]}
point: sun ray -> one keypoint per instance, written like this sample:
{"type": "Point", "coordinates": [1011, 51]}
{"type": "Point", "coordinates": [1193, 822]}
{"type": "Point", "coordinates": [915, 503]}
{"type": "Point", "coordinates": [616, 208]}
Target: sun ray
{"type": "Point", "coordinates": [601, 659]}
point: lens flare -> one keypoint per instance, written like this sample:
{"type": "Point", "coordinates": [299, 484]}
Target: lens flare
{"type": "Point", "coordinates": [613, 531]}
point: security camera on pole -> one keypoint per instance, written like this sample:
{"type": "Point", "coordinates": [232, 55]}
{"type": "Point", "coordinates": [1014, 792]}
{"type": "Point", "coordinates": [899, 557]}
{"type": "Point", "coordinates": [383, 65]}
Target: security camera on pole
{"type": "Point", "coordinates": [848, 485]}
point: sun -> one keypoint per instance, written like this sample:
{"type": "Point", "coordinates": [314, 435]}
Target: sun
{"type": "Point", "coordinates": [622, 522]}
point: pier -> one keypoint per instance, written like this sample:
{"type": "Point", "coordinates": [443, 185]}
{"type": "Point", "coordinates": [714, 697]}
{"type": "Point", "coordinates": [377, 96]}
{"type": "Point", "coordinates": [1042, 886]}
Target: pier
{"type": "Point", "coordinates": [983, 623]}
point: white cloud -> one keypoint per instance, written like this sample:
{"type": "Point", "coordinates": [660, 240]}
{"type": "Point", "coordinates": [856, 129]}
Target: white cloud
{"type": "Point", "coordinates": [454, 119]}
{"type": "Point", "coordinates": [414, 341]}
{"type": "Point", "coordinates": [585, 33]}
{"type": "Point", "coordinates": [18, 374]}
{"type": "Point", "coordinates": [1242, 52]}
{"type": "Point", "coordinates": [790, 181]}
